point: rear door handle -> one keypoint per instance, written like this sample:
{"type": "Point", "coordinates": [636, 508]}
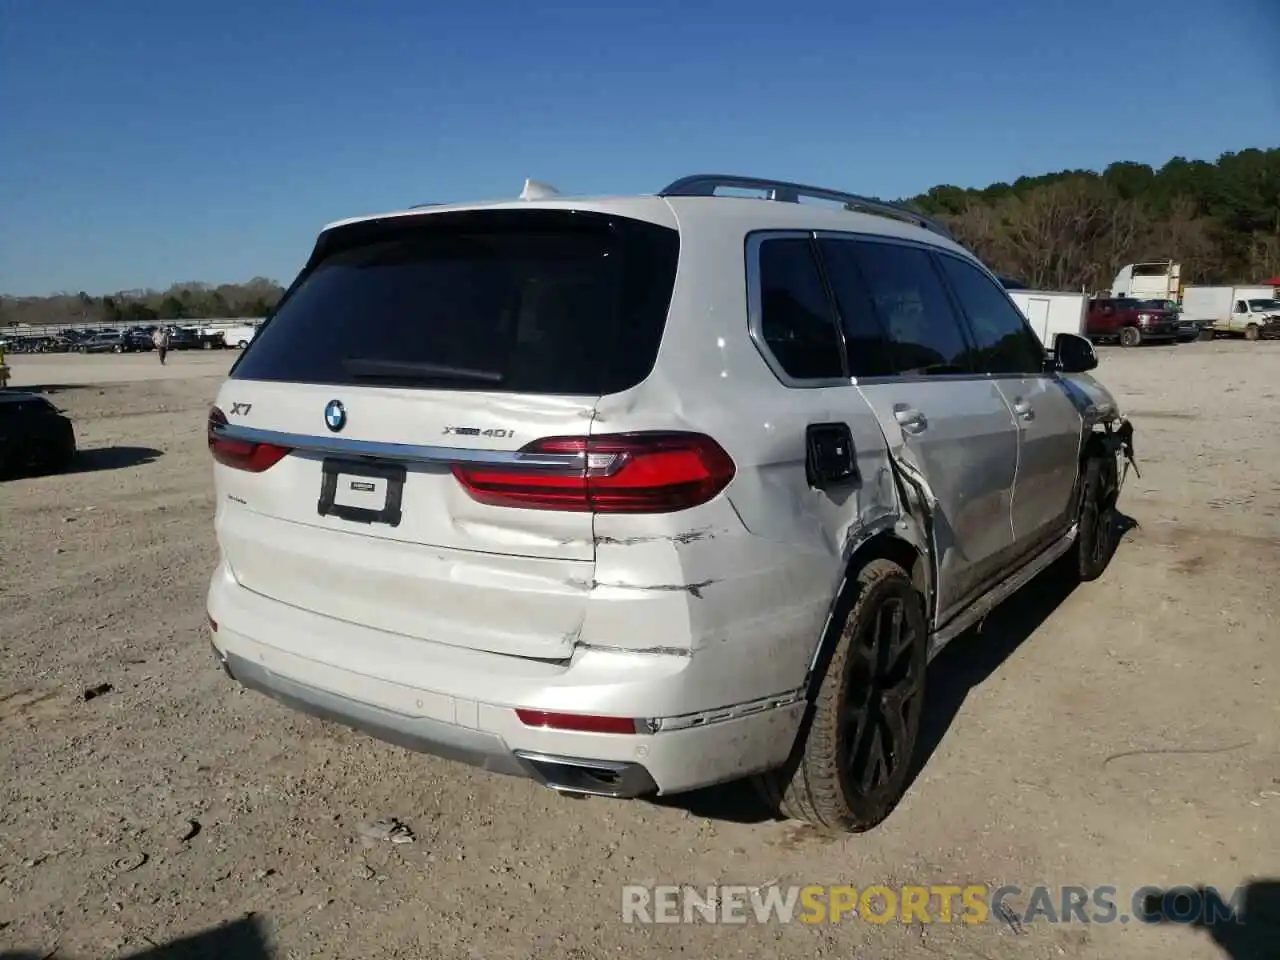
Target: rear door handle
{"type": "Point", "coordinates": [910, 419]}
{"type": "Point", "coordinates": [1024, 409]}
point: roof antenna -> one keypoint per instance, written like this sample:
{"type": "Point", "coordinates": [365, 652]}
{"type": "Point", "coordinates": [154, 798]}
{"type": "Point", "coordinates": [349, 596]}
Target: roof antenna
{"type": "Point", "coordinates": [534, 190]}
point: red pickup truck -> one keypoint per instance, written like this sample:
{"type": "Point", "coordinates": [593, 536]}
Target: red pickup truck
{"type": "Point", "coordinates": [1130, 322]}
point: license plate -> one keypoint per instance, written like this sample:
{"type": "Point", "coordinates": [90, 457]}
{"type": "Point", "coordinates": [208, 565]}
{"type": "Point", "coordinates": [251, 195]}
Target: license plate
{"type": "Point", "coordinates": [361, 492]}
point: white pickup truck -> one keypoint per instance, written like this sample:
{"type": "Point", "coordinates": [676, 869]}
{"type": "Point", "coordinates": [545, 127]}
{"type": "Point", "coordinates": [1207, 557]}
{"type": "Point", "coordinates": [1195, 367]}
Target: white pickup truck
{"type": "Point", "coordinates": [1252, 312]}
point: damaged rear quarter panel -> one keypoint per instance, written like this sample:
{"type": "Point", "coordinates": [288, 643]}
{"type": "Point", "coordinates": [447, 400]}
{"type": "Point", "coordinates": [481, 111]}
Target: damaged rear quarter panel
{"type": "Point", "coordinates": [746, 582]}
{"type": "Point", "coordinates": [743, 584]}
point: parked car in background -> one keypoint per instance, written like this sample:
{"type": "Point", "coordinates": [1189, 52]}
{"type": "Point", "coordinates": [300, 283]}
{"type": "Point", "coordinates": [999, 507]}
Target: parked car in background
{"type": "Point", "coordinates": [641, 494]}
{"type": "Point", "coordinates": [239, 337]}
{"type": "Point", "coordinates": [1251, 312]}
{"type": "Point", "coordinates": [102, 343]}
{"type": "Point", "coordinates": [122, 341]}
{"type": "Point", "coordinates": [139, 339]}
{"type": "Point", "coordinates": [208, 338]}
{"type": "Point", "coordinates": [1130, 322]}
{"type": "Point", "coordinates": [1188, 329]}
{"type": "Point", "coordinates": [38, 344]}
{"type": "Point", "coordinates": [183, 338]}
{"type": "Point", "coordinates": [34, 434]}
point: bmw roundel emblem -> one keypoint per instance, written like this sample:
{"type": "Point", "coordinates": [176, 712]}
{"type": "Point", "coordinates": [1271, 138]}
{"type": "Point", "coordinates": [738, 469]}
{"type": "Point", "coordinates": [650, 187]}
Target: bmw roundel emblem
{"type": "Point", "coordinates": [335, 415]}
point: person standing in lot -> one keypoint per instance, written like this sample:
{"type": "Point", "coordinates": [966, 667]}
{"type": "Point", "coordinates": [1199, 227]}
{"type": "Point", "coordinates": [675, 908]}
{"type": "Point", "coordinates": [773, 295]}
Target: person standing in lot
{"type": "Point", "coordinates": [161, 339]}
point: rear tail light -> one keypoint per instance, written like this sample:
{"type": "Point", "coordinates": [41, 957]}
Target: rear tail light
{"type": "Point", "coordinates": [612, 473]}
{"type": "Point", "coordinates": [578, 722]}
{"type": "Point", "coordinates": [240, 454]}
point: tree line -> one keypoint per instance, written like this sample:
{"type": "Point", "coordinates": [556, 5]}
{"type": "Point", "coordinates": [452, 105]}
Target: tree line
{"type": "Point", "coordinates": [1074, 229]}
{"type": "Point", "coordinates": [1069, 230]}
{"type": "Point", "coordinates": [182, 301]}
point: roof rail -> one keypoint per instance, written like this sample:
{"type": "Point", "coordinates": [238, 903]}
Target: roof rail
{"type": "Point", "coordinates": [706, 184]}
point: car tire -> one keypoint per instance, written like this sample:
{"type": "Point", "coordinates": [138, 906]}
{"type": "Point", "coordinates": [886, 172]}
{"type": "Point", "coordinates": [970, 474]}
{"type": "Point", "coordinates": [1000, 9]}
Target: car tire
{"type": "Point", "coordinates": [117, 349]}
{"type": "Point", "coordinates": [837, 779]}
{"type": "Point", "coordinates": [1251, 332]}
{"type": "Point", "coordinates": [63, 454]}
{"type": "Point", "coordinates": [1096, 535]}
{"type": "Point", "coordinates": [1130, 337]}
{"type": "Point", "coordinates": [242, 344]}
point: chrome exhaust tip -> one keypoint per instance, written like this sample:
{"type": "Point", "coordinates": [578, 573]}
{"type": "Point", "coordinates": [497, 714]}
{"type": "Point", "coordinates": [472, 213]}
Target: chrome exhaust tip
{"type": "Point", "coordinates": [593, 778]}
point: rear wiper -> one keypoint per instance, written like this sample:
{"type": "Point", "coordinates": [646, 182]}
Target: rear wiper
{"type": "Point", "coordinates": [371, 369]}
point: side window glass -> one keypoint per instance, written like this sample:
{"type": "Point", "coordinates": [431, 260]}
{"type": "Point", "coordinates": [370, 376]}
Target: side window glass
{"type": "Point", "coordinates": [796, 316]}
{"type": "Point", "coordinates": [868, 348]}
{"type": "Point", "coordinates": [1003, 343]}
{"type": "Point", "coordinates": [913, 307]}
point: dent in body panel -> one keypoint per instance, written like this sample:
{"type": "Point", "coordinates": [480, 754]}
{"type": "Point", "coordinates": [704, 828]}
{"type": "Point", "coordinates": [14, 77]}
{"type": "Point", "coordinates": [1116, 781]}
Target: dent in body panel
{"type": "Point", "coordinates": [687, 536]}
{"type": "Point", "coordinates": [965, 441]}
{"type": "Point", "coordinates": [693, 589]}
{"type": "Point", "coordinates": [650, 651]}
{"type": "Point", "coordinates": [769, 597]}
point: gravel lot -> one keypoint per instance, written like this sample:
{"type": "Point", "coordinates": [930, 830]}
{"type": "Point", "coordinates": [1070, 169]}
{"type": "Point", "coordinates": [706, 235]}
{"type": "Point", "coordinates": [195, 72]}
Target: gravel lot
{"type": "Point", "coordinates": [1125, 734]}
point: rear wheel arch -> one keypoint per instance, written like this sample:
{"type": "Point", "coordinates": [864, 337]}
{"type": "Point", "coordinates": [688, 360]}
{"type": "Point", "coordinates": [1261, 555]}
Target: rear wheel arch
{"type": "Point", "coordinates": [885, 545]}
{"type": "Point", "coordinates": [889, 546]}
{"type": "Point", "coordinates": [815, 784]}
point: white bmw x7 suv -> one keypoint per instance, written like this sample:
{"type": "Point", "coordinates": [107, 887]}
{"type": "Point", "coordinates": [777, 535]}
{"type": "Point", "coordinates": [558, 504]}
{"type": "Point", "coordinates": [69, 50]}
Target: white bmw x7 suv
{"type": "Point", "coordinates": [638, 495]}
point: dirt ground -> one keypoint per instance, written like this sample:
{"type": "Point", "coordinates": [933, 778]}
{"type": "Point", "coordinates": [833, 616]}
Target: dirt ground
{"type": "Point", "coordinates": [1126, 734]}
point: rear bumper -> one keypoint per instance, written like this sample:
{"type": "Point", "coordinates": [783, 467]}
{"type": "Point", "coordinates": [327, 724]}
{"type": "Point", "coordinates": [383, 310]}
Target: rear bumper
{"type": "Point", "coordinates": [450, 741]}
{"type": "Point", "coordinates": [467, 710]}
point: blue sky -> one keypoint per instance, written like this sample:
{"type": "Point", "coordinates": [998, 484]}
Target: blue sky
{"type": "Point", "coordinates": [144, 142]}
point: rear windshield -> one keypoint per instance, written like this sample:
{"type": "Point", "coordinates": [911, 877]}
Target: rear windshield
{"type": "Point", "coordinates": [12, 409]}
{"type": "Point", "coordinates": [534, 301]}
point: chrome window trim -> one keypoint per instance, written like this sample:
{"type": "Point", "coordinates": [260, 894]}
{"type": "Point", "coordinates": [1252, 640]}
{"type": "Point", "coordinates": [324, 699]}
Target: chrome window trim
{"type": "Point", "coordinates": [401, 452]}
{"type": "Point", "coordinates": [755, 311]}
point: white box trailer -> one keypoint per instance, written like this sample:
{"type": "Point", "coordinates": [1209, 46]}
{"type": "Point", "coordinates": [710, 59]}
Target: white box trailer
{"type": "Point", "coordinates": [1251, 311]}
{"type": "Point", "coordinates": [1051, 312]}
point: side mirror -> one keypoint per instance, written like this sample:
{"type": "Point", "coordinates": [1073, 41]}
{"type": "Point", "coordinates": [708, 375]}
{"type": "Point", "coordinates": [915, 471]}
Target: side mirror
{"type": "Point", "coordinates": [1074, 353]}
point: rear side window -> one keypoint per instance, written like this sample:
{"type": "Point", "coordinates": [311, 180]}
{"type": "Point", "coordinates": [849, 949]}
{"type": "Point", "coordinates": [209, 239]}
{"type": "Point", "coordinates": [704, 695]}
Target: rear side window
{"type": "Point", "coordinates": [869, 350]}
{"type": "Point", "coordinates": [796, 319]}
{"type": "Point", "coordinates": [1003, 341]}
{"type": "Point", "coordinates": [914, 309]}
{"type": "Point", "coordinates": [33, 407]}
{"type": "Point", "coordinates": [535, 301]}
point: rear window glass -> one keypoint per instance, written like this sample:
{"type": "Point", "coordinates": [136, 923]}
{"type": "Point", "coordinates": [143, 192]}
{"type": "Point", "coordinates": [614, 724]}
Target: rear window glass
{"type": "Point", "coordinates": [518, 301]}
{"type": "Point", "coordinates": [26, 407]}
